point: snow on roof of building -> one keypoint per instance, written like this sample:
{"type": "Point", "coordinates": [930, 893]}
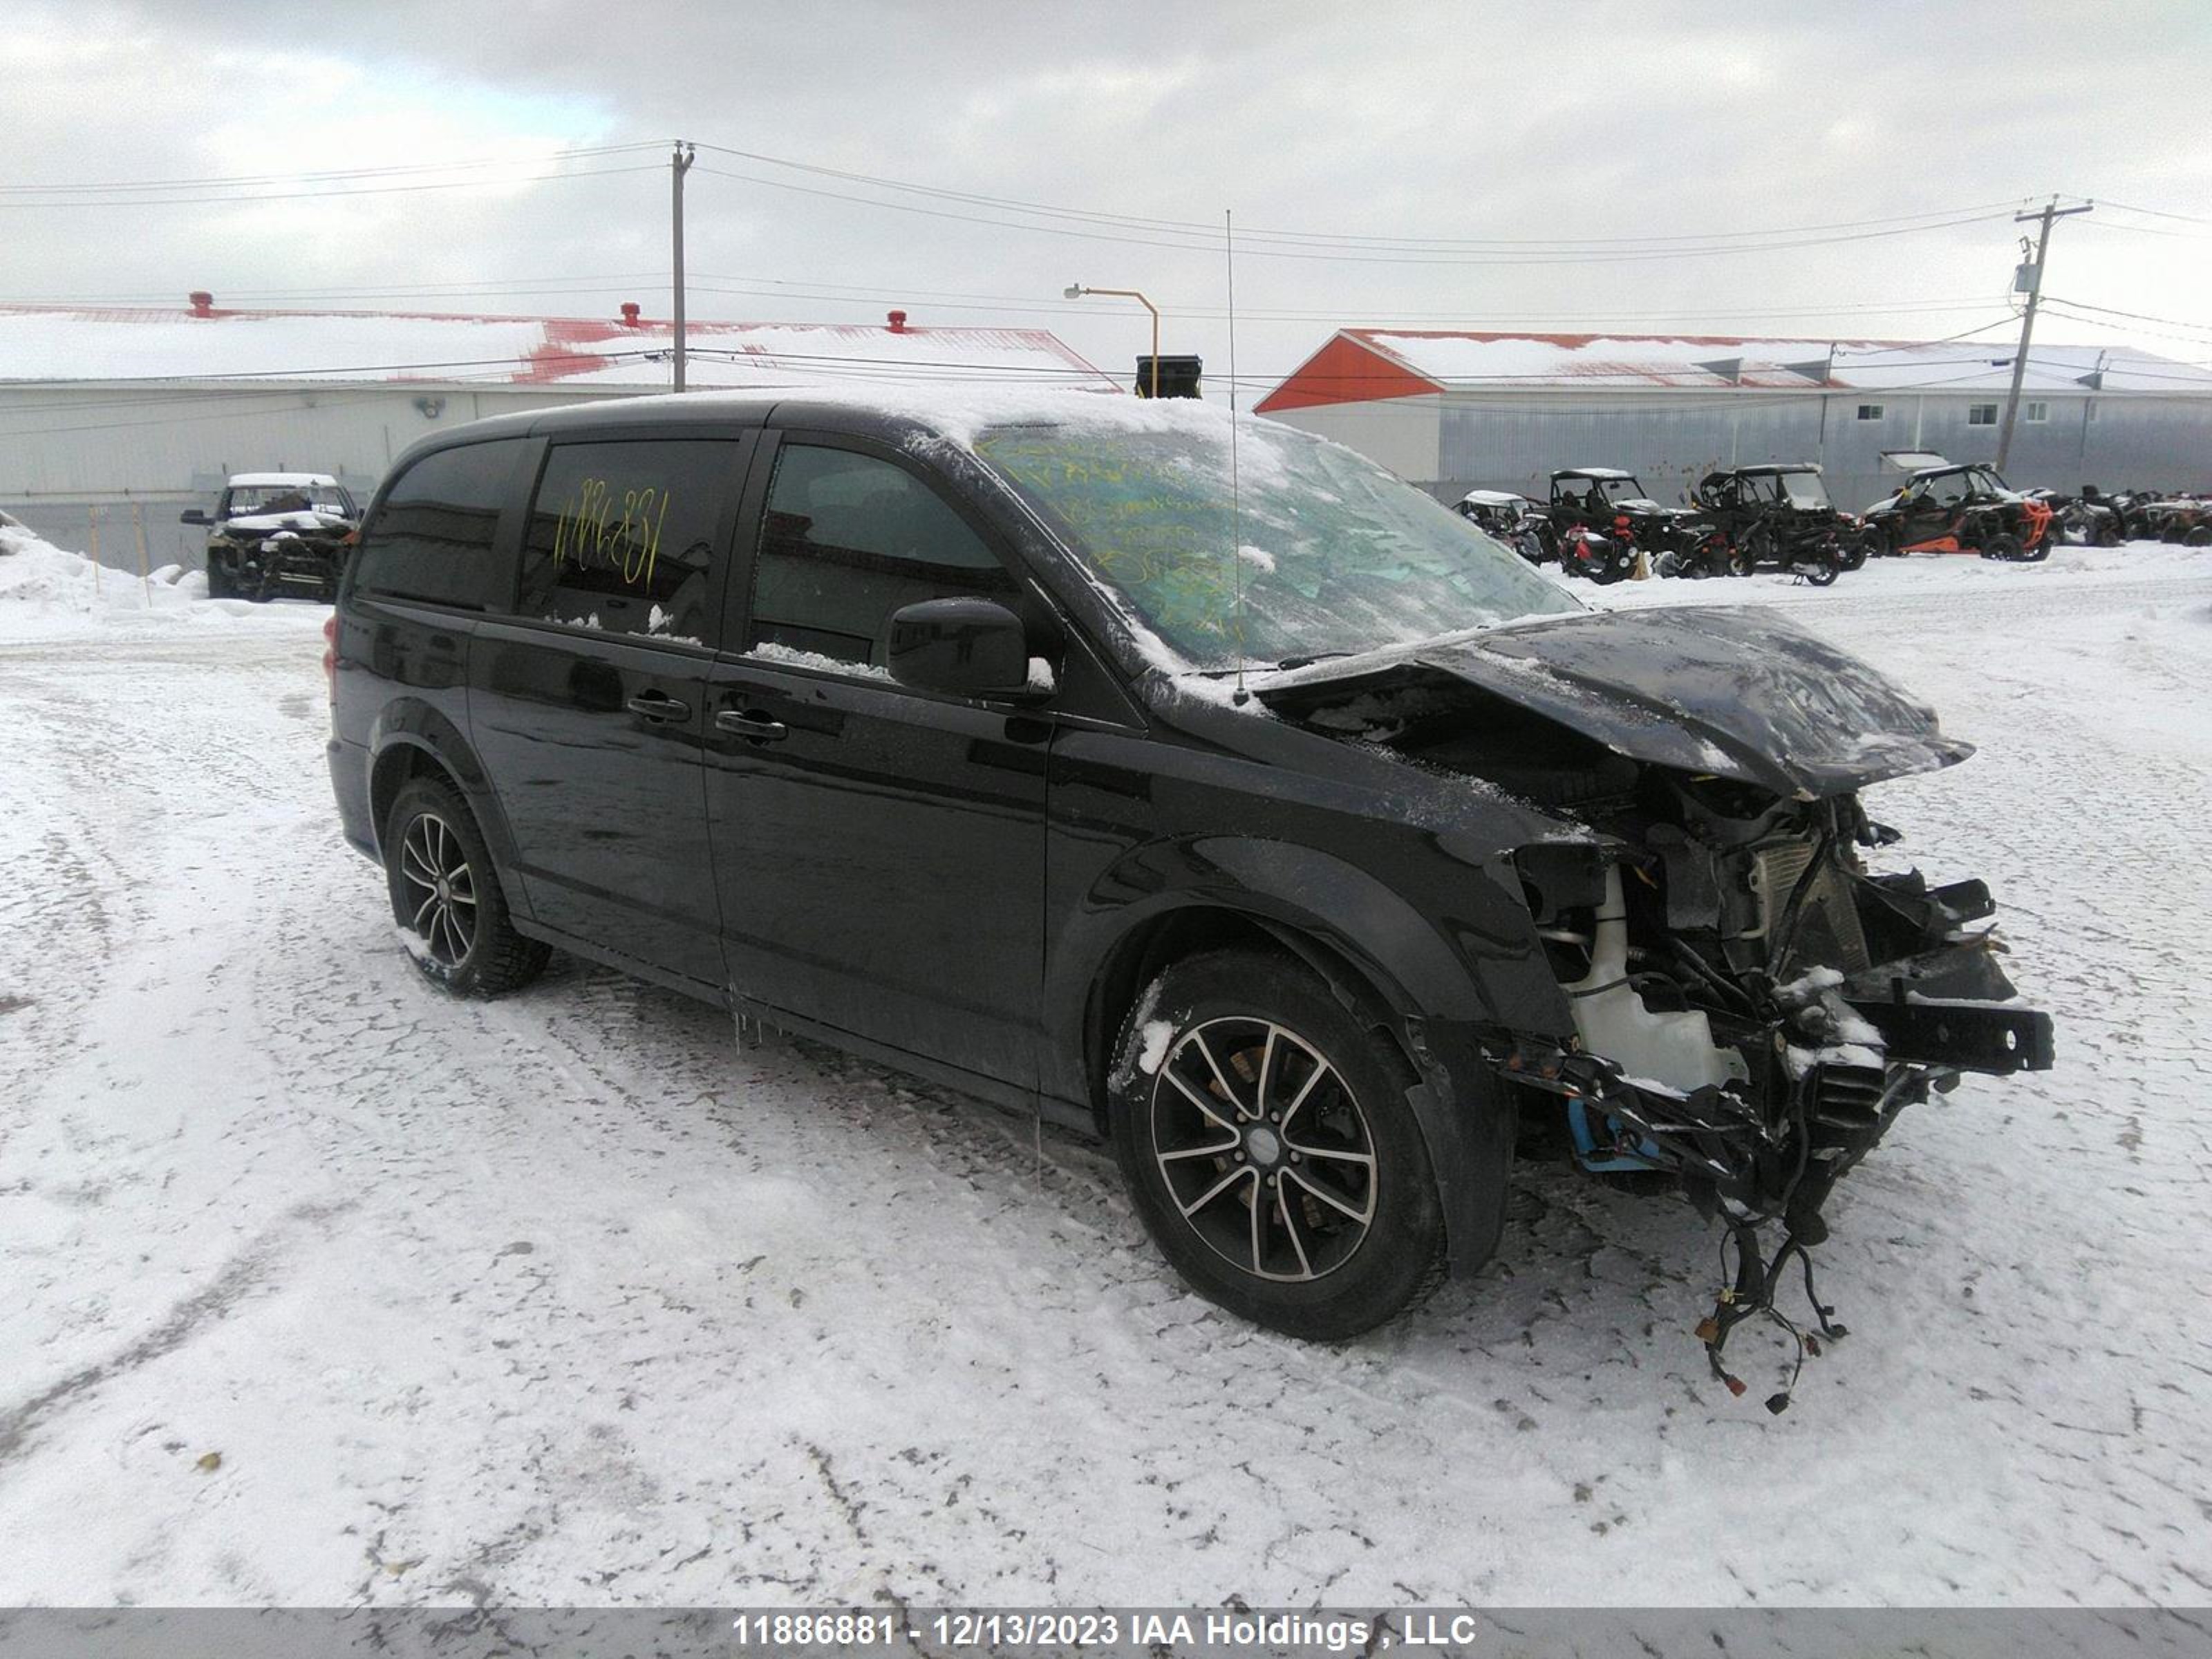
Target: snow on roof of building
{"type": "Point", "coordinates": [1416, 362]}
{"type": "Point", "coordinates": [53, 343]}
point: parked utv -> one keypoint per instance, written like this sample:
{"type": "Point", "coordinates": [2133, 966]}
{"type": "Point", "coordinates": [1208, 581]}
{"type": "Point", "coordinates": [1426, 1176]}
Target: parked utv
{"type": "Point", "coordinates": [1513, 519]}
{"type": "Point", "coordinates": [1296, 838]}
{"type": "Point", "coordinates": [1780, 517]}
{"type": "Point", "coordinates": [278, 532]}
{"type": "Point", "coordinates": [1962, 509]}
{"type": "Point", "coordinates": [1599, 518]}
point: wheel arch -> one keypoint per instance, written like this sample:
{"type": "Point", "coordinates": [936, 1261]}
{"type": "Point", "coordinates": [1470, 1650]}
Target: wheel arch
{"type": "Point", "coordinates": [1391, 968]}
{"type": "Point", "coordinates": [413, 739]}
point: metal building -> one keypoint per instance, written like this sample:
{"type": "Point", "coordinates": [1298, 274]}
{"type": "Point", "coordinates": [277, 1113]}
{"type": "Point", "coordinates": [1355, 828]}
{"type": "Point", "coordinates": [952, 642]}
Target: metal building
{"type": "Point", "coordinates": [153, 408]}
{"type": "Point", "coordinates": [1452, 411]}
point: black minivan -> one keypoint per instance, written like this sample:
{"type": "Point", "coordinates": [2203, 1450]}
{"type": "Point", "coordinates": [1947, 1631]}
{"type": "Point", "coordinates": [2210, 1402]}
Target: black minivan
{"type": "Point", "coordinates": [1188, 779]}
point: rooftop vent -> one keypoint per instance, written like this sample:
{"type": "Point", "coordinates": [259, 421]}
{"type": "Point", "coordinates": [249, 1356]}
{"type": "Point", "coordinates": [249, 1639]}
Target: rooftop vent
{"type": "Point", "coordinates": [629, 313]}
{"type": "Point", "coordinates": [898, 322]}
{"type": "Point", "coordinates": [202, 303]}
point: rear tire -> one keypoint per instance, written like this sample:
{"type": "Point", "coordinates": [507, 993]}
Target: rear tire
{"type": "Point", "coordinates": [447, 899]}
{"type": "Point", "coordinates": [2200, 537]}
{"type": "Point", "coordinates": [1270, 1148]}
{"type": "Point", "coordinates": [2002, 545]}
{"type": "Point", "coordinates": [1821, 569]}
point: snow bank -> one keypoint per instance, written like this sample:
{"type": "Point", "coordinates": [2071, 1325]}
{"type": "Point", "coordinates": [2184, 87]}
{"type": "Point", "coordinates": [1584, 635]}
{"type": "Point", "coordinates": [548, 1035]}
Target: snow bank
{"type": "Point", "coordinates": [46, 590]}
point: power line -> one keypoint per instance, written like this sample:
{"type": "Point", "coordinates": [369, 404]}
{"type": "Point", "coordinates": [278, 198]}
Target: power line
{"type": "Point", "coordinates": [327, 195]}
{"type": "Point", "coordinates": [1199, 229]}
{"type": "Point", "coordinates": [2132, 316]}
{"type": "Point", "coordinates": [340, 174]}
{"type": "Point", "coordinates": [1499, 257]}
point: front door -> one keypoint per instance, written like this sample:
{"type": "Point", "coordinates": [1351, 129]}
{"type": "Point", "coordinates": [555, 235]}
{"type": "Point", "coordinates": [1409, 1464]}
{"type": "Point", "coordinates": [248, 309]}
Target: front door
{"type": "Point", "coordinates": [878, 852]}
{"type": "Point", "coordinates": [588, 703]}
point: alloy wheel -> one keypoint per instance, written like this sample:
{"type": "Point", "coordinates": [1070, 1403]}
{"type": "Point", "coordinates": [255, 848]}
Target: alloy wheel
{"type": "Point", "coordinates": [1263, 1149]}
{"type": "Point", "coordinates": [439, 888]}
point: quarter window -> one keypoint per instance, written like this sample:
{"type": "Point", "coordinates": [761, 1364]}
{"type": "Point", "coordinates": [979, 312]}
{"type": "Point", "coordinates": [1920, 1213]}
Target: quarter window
{"type": "Point", "coordinates": [432, 538]}
{"type": "Point", "coordinates": [623, 537]}
{"type": "Point", "coordinates": [847, 540]}
{"type": "Point", "coordinates": [1981, 414]}
{"type": "Point", "coordinates": [1870, 411]}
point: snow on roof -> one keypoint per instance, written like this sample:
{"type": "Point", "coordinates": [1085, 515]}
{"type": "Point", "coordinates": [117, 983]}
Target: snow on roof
{"type": "Point", "coordinates": [276, 480]}
{"type": "Point", "coordinates": [1450, 359]}
{"type": "Point", "coordinates": [50, 343]}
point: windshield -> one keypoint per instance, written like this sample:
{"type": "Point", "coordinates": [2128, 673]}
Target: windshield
{"type": "Point", "coordinates": [246, 499]}
{"type": "Point", "coordinates": [1335, 555]}
{"type": "Point", "coordinates": [1805, 489]}
{"type": "Point", "coordinates": [1597, 494]}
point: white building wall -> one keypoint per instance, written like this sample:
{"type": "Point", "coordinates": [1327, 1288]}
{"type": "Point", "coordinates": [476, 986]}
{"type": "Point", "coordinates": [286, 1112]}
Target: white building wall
{"type": "Point", "coordinates": [65, 449]}
{"type": "Point", "coordinates": [1513, 440]}
{"type": "Point", "coordinates": [1402, 434]}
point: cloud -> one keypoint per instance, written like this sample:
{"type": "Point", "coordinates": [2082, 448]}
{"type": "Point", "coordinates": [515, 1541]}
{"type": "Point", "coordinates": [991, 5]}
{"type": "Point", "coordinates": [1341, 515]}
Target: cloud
{"type": "Point", "coordinates": [1385, 119]}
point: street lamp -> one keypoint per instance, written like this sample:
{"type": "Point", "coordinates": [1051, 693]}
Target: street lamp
{"type": "Point", "coordinates": [1076, 291]}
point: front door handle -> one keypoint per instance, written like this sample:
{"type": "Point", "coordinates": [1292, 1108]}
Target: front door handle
{"type": "Point", "coordinates": [751, 724]}
{"type": "Point", "coordinates": [658, 706]}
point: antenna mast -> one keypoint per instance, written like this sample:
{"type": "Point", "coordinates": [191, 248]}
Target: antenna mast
{"type": "Point", "coordinates": [1236, 494]}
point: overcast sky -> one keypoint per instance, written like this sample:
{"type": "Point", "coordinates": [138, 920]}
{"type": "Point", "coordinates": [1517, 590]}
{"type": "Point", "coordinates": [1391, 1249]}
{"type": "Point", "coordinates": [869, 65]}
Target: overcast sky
{"type": "Point", "coordinates": [1506, 124]}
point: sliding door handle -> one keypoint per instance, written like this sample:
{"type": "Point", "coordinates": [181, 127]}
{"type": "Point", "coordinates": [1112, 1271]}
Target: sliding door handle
{"type": "Point", "coordinates": [658, 706]}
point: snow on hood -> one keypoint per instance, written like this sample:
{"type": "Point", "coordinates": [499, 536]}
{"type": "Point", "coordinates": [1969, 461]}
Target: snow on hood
{"type": "Point", "coordinates": [1736, 692]}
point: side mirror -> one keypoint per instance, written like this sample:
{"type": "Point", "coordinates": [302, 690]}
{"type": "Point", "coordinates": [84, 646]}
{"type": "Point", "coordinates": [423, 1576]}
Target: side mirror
{"type": "Point", "coordinates": [970, 647]}
{"type": "Point", "coordinates": [193, 515]}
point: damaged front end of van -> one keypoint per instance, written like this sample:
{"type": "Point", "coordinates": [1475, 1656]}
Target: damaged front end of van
{"type": "Point", "coordinates": [1754, 1000]}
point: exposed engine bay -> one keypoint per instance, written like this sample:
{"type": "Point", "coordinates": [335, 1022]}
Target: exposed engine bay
{"type": "Point", "coordinates": [1752, 1005]}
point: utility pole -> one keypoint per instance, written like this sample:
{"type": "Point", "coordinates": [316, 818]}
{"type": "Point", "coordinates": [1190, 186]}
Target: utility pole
{"type": "Point", "coordinates": [2049, 212]}
{"type": "Point", "coordinates": [679, 163]}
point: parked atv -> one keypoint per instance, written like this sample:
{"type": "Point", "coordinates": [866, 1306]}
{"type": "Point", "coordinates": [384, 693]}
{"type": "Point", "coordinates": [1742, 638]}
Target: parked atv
{"type": "Point", "coordinates": [1692, 546]}
{"type": "Point", "coordinates": [2184, 518]}
{"type": "Point", "coordinates": [2088, 519]}
{"type": "Point", "coordinates": [278, 532]}
{"type": "Point", "coordinates": [1962, 509]}
{"type": "Point", "coordinates": [1604, 557]}
{"type": "Point", "coordinates": [1780, 517]}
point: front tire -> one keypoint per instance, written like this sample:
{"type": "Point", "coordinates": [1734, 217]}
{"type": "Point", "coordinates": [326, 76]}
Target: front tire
{"type": "Point", "coordinates": [1270, 1149]}
{"type": "Point", "coordinates": [447, 899]}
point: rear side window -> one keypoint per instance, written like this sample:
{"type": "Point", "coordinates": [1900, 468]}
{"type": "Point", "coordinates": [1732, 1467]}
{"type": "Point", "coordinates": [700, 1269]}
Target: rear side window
{"type": "Point", "coordinates": [847, 540]}
{"type": "Point", "coordinates": [625, 537]}
{"type": "Point", "coordinates": [432, 539]}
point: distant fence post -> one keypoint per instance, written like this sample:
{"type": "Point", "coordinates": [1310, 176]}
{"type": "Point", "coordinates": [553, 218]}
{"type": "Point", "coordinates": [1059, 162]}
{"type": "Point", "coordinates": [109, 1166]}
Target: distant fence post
{"type": "Point", "coordinates": [138, 529]}
{"type": "Point", "coordinates": [93, 513]}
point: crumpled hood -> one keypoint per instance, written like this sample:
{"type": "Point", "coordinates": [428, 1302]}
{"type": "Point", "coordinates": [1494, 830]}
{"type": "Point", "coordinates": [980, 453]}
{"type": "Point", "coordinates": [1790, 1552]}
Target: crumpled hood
{"type": "Point", "coordinates": [1737, 692]}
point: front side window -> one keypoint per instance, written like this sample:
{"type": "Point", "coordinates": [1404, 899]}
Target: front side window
{"type": "Point", "coordinates": [622, 536]}
{"type": "Point", "coordinates": [432, 539]}
{"type": "Point", "coordinates": [847, 540]}
{"type": "Point", "coordinates": [1316, 550]}
{"type": "Point", "coordinates": [1981, 414]}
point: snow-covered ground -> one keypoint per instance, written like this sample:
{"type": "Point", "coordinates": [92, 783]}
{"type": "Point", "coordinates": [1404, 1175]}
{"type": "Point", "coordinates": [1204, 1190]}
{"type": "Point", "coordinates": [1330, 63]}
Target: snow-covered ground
{"type": "Point", "coordinates": [318, 1287]}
